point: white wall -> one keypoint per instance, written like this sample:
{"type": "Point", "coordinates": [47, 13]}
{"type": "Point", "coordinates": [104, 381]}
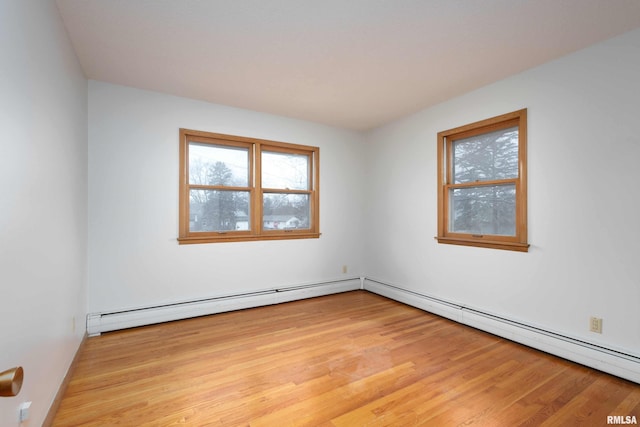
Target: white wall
{"type": "Point", "coordinates": [134, 257]}
{"type": "Point", "coordinates": [584, 226]}
{"type": "Point", "coordinates": [43, 194]}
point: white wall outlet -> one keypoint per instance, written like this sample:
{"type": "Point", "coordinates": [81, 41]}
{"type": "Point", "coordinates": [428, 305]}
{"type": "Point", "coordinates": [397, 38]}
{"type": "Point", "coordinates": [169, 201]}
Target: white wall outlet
{"type": "Point", "coordinates": [23, 411]}
{"type": "Point", "coordinates": [345, 269]}
{"type": "Point", "coordinates": [595, 325]}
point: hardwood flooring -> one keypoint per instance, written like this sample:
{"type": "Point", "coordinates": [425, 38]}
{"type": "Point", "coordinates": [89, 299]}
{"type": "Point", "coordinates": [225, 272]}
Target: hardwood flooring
{"type": "Point", "coordinates": [352, 359]}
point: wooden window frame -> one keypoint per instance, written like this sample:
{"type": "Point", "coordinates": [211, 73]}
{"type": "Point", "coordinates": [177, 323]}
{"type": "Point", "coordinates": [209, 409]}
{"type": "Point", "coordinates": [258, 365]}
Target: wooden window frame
{"type": "Point", "coordinates": [254, 188]}
{"type": "Point", "coordinates": [445, 183]}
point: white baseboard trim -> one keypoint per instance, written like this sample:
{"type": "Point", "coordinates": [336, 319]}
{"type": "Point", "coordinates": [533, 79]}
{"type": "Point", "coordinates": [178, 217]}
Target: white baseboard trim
{"type": "Point", "coordinates": [620, 363]}
{"type": "Point", "coordinates": [98, 323]}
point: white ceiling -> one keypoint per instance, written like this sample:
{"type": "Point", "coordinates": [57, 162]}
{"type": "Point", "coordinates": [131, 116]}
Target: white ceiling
{"type": "Point", "coordinates": [355, 64]}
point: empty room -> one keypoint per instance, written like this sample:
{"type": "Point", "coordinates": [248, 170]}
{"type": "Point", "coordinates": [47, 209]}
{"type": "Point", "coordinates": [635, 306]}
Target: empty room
{"type": "Point", "coordinates": [338, 213]}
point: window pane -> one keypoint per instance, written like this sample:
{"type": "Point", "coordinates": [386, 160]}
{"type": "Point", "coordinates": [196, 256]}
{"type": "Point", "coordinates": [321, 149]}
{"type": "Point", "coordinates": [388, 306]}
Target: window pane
{"type": "Point", "coordinates": [484, 210]}
{"type": "Point", "coordinates": [285, 211]}
{"type": "Point", "coordinates": [218, 165]}
{"type": "Point", "coordinates": [486, 157]}
{"type": "Point", "coordinates": [285, 171]}
{"type": "Point", "coordinates": [218, 210]}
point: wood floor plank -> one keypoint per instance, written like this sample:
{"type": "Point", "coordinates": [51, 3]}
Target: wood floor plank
{"type": "Point", "coordinates": [352, 359]}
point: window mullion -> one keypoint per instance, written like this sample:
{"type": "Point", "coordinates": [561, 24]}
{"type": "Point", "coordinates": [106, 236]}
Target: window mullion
{"type": "Point", "coordinates": [495, 182]}
{"type": "Point", "coordinates": [257, 190]}
{"type": "Point", "coordinates": [285, 191]}
{"type": "Point", "coordinates": [217, 187]}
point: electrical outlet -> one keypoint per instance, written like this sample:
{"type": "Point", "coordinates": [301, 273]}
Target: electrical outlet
{"type": "Point", "coordinates": [344, 269]}
{"type": "Point", "coordinates": [595, 325]}
{"type": "Point", "coordinates": [23, 411]}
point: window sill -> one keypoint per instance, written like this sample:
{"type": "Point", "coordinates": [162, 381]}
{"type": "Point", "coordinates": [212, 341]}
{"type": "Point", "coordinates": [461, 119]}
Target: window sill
{"type": "Point", "coordinates": [508, 246]}
{"type": "Point", "coordinates": [244, 238]}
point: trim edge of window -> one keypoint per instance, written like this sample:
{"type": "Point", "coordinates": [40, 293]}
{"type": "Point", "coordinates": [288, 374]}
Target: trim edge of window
{"type": "Point", "coordinates": [492, 244]}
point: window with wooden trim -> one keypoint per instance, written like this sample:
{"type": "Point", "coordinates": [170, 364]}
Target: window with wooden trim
{"type": "Point", "coordinates": [234, 188]}
{"type": "Point", "coordinates": [482, 183]}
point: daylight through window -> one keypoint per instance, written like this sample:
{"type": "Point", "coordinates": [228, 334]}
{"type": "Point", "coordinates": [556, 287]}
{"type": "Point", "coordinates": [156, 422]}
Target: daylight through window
{"type": "Point", "coordinates": [235, 188]}
{"type": "Point", "coordinates": [482, 190]}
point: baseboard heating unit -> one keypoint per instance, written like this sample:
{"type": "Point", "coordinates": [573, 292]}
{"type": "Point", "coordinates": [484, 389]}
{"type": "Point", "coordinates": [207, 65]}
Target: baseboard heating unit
{"type": "Point", "coordinates": [621, 363]}
{"type": "Point", "coordinates": [98, 323]}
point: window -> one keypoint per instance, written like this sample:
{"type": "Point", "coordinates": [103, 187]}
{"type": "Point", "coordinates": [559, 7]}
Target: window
{"type": "Point", "coordinates": [236, 189]}
{"type": "Point", "coordinates": [482, 183]}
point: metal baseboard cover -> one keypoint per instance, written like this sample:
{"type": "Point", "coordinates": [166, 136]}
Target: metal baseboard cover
{"type": "Point", "coordinates": [98, 323]}
{"type": "Point", "coordinates": [619, 362]}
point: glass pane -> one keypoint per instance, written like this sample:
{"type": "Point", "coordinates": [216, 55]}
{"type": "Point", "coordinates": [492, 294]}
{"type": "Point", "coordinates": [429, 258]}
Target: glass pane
{"type": "Point", "coordinates": [218, 165]}
{"type": "Point", "coordinates": [285, 211]}
{"type": "Point", "coordinates": [285, 171]}
{"type": "Point", "coordinates": [484, 210]}
{"type": "Point", "coordinates": [486, 157]}
{"type": "Point", "coordinates": [218, 210]}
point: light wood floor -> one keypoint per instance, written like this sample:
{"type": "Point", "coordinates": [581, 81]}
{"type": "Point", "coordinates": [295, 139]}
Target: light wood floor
{"type": "Point", "coordinates": [352, 359]}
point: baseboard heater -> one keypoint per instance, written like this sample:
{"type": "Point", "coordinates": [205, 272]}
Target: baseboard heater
{"type": "Point", "coordinates": [622, 363]}
{"type": "Point", "coordinates": [98, 323]}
